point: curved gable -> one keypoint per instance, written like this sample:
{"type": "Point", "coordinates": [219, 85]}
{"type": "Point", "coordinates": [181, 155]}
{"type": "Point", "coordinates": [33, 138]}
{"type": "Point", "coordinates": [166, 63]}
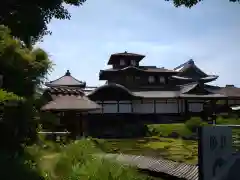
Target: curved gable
{"type": "Point", "coordinates": [111, 92]}
{"type": "Point", "coordinates": [195, 88]}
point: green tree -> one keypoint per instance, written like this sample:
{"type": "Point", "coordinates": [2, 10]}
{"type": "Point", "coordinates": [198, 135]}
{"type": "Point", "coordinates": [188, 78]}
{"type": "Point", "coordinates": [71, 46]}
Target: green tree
{"type": "Point", "coordinates": [28, 19]}
{"type": "Point", "coordinates": [23, 72]}
{"type": "Point", "coordinates": [190, 3]}
{"type": "Point", "coordinates": [23, 69]}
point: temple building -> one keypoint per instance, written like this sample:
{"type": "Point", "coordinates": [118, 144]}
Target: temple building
{"type": "Point", "coordinates": [153, 94]}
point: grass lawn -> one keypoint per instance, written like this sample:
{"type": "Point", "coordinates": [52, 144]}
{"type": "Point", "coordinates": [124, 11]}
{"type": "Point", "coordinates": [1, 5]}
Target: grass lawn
{"type": "Point", "coordinates": [168, 148]}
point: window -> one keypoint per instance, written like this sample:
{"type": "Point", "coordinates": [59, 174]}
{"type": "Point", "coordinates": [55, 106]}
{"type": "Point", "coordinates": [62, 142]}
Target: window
{"type": "Point", "coordinates": [151, 79]}
{"type": "Point", "coordinates": [129, 78]}
{"type": "Point", "coordinates": [162, 79]}
{"type": "Point", "coordinates": [137, 77]}
{"type": "Point", "coordinates": [122, 62]}
{"type": "Point", "coordinates": [133, 62]}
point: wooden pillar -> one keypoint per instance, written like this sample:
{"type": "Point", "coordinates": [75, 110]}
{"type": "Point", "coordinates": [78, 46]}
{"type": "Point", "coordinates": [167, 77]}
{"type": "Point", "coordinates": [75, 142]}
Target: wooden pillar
{"type": "Point", "coordinates": [102, 107]}
{"type": "Point", "coordinates": [118, 106]}
{"type": "Point", "coordinates": [84, 125]}
{"type": "Point", "coordinates": [155, 108]}
{"type": "Point", "coordinates": [132, 106]}
{"type": "Point", "coordinates": [78, 127]}
{"type": "Point", "coordinates": [186, 107]}
{"type": "Point", "coordinates": [178, 105]}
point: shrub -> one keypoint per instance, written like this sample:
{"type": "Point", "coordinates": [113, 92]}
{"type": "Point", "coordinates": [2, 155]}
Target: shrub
{"type": "Point", "coordinates": [99, 169]}
{"type": "Point", "coordinates": [77, 152]}
{"type": "Point", "coordinates": [76, 161]}
{"type": "Point", "coordinates": [18, 167]}
{"type": "Point", "coordinates": [194, 123]}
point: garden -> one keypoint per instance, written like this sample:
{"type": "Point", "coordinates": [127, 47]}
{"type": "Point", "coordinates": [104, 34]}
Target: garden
{"type": "Point", "coordinates": [25, 154]}
{"type": "Point", "coordinates": [177, 142]}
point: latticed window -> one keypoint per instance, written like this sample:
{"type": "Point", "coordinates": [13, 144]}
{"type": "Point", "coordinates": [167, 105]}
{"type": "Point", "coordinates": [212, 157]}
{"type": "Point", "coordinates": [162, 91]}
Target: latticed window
{"type": "Point", "coordinates": [122, 62]}
{"type": "Point", "coordinates": [133, 62]}
{"type": "Point", "coordinates": [151, 79]}
{"type": "Point", "coordinates": [137, 78]}
{"type": "Point", "coordinates": [162, 79]}
{"type": "Point", "coordinates": [129, 78]}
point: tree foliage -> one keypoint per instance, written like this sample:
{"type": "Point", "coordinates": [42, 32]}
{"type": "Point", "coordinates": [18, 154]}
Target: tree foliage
{"type": "Point", "coordinates": [28, 19]}
{"type": "Point", "coordinates": [22, 69]}
{"type": "Point", "coordinates": [190, 3]}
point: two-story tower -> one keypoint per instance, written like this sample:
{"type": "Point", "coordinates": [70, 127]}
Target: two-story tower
{"type": "Point", "coordinates": [127, 71]}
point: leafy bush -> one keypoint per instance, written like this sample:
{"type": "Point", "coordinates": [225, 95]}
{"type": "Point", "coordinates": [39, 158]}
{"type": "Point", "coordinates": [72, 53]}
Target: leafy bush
{"type": "Point", "coordinates": [17, 125]}
{"type": "Point", "coordinates": [194, 123]}
{"type": "Point", "coordinates": [8, 96]}
{"type": "Point", "coordinates": [77, 161]}
{"type": "Point", "coordinates": [18, 167]}
{"type": "Point", "coordinates": [77, 152]}
{"type": "Point", "coordinates": [99, 169]}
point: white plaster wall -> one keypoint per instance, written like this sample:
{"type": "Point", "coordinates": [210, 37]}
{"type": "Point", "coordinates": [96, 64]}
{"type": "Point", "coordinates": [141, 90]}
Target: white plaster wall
{"type": "Point", "coordinates": [181, 106]}
{"type": "Point", "coordinates": [166, 108]}
{"type": "Point", "coordinates": [147, 108]}
{"type": "Point", "coordinates": [195, 107]}
{"type": "Point", "coordinates": [143, 108]}
{"type": "Point", "coordinates": [137, 108]}
{"type": "Point", "coordinates": [110, 108]}
{"type": "Point", "coordinates": [125, 108]}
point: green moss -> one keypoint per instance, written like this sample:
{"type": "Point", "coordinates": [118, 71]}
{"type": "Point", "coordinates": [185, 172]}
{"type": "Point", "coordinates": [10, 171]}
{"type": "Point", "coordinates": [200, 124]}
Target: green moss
{"type": "Point", "coordinates": [168, 148]}
{"type": "Point", "coordinates": [168, 129]}
{"type": "Point", "coordinates": [233, 121]}
{"type": "Point", "coordinates": [175, 149]}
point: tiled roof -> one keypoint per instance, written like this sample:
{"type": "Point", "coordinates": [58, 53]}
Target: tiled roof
{"type": "Point", "coordinates": [66, 80]}
{"type": "Point", "coordinates": [71, 102]}
{"type": "Point", "coordinates": [228, 91]}
{"type": "Point", "coordinates": [192, 88]}
{"type": "Point", "coordinates": [189, 69]}
{"type": "Point", "coordinates": [64, 91]}
{"type": "Point", "coordinates": [127, 54]}
{"type": "Point", "coordinates": [184, 91]}
{"type": "Point", "coordinates": [116, 56]}
{"type": "Point", "coordinates": [111, 85]}
{"type": "Point", "coordinates": [143, 69]}
{"type": "Point", "coordinates": [188, 87]}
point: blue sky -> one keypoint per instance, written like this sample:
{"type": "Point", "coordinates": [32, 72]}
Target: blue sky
{"type": "Point", "coordinates": [209, 33]}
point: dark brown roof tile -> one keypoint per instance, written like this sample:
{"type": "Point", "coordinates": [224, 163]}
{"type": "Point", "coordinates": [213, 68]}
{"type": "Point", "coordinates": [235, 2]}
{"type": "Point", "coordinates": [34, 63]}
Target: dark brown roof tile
{"type": "Point", "coordinates": [229, 91]}
{"type": "Point", "coordinates": [71, 102]}
{"type": "Point", "coordinates": [64, 91]}
{"type": "Point", "coordinates": [66, 80]}
{"type": "Point", "coordinates": [116, 56]}
{"type": "Point", "coordinates": [141, 68]}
